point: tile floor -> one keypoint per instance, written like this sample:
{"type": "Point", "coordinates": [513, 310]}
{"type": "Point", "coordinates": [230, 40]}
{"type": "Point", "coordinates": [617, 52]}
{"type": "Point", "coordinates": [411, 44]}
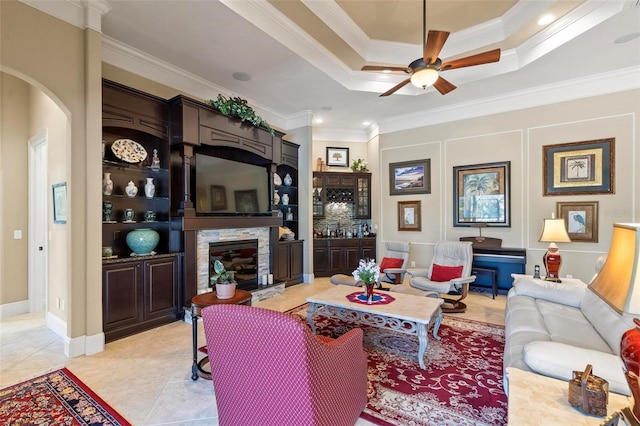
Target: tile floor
{"type": "Point", "coordinates": [147, 377]}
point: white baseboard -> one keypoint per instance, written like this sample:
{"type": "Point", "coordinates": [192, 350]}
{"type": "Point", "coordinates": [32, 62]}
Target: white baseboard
{"type": "Point", "coordinates": [14, 308]}
{"type": "Point", "coordinates": [94, 344]}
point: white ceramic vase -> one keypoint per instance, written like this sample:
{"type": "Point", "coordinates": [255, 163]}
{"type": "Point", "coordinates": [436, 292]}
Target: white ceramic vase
{"type": "Point", "coordinates": [149, 188]}
{"type": "Point", "coordinates": [288, 180]}
{"type": "Point", "coordinates": [276, 197]}
{"type": "Point", "coordinates": [285, 199]}
{"type": "Point", "coordinates": [131, 189]}
{"type": "Point", "coordinates": [107, 184]}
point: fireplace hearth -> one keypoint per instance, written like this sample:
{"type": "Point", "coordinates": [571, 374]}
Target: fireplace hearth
{"type": "Point", "coordinates": [239, 256]}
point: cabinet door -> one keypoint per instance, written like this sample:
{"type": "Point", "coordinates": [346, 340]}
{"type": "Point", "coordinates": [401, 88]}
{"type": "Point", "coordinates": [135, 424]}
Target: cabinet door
{"type": "Point", "coordinates": [296, 261]}
{"type": "Point", "coordinates": [352, 258]}
{"type": "Point", "coordinates": [121, 295]}
{"type": "Point", "coordinates": [368, 247]}
{"type": "Point", "coordinates": [318, 196]}
{"type": "Point", "coordinates": [336, 260]}
{"type": "Point", "coordinates": [363, 197]}
{"type": "Point", "coordinates": [320, 259]}
{"type": "Point", "coordinates": [282, 269]}
{"type": "Point", "coordinates": [161, 294]}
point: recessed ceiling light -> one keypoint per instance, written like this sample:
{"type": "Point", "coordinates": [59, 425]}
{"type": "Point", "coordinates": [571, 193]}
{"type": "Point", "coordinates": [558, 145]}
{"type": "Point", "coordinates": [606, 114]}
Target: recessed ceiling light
{"type": "Point", "coordinates": [241, 76]}
{"type": "Point", "coordinates": [318, 120]}
{"type": "Point", "coordinates": [326, 108]}
{"type": "Point", "coordinates": [365, 123]}
{"type": "Point", "coordinates": [626, 38]}
{"type": "Point", "coordinates": [386, 71]}
{"type": "Point", "coordinates": [546, 19]}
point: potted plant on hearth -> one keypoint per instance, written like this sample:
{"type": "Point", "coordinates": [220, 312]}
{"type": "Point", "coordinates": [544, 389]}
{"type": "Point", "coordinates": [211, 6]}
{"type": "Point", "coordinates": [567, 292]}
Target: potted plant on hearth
{"type": "Point", "coordinates": [224, 281]}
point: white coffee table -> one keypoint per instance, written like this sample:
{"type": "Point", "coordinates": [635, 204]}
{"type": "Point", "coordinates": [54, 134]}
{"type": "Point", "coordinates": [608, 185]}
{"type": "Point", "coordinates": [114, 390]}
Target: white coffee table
{"type": "Point", "coordinates": [407, 314]}
{"type": "Point", "coordinates": [536, 400]}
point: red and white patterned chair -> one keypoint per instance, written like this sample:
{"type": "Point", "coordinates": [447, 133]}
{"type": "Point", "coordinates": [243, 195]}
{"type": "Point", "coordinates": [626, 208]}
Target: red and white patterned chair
{"type": "Point", "coordinates": [269, 369]}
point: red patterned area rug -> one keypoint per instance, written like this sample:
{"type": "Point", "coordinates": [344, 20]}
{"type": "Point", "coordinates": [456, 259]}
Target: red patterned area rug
{"type": "Point", "coordinates": [56, 398]}
{"type": "Point", "coordinates": [462, 384]}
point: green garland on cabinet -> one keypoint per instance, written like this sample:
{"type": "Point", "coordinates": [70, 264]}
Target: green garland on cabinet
{"type": "Point", "coordinates": [238, 107]}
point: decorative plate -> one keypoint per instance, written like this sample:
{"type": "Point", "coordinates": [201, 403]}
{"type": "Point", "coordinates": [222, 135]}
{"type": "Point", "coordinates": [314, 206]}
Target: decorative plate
{"type": "Point", "coordinates": [276, 179]}
{"type": "Point", "coordinates": [128, 150]}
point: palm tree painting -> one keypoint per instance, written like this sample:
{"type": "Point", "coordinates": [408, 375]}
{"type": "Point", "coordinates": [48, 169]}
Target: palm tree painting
{"type": "Point", "coordinates": [577, 168]}
{"type": "Point", "coordinates": [478, 191]}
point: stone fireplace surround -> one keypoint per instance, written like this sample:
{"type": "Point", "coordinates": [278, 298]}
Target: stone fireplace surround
{"type": "Point", "coordinates": [204, 237]}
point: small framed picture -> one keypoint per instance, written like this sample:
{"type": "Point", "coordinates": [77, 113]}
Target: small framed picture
{"type": "Point", "coordinates": [409, 216]}
{"type": "Point", "coordinates": [338, 157]}
{"type": "Point", "coordinates": [218, 198]}
{"type": "Point", "coordinates": [60, 203]}
{"type": "Point", "coordinates": [581, 220]}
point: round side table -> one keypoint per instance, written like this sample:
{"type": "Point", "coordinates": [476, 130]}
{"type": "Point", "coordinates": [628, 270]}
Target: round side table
{"type": "Point", "coordinates": [198, 303]}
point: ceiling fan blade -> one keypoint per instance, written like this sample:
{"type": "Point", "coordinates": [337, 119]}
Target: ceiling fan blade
{"type": "Point", "coordinates": [433, 46]}
{"type": "Point", "coordinates": [379, 68]}
{"type": "Point", "coordinates": [469, 61]}
{"type": "Point", "coordinates": [396, 87]}
{"type": "Point", "coordinates": [443, 86]}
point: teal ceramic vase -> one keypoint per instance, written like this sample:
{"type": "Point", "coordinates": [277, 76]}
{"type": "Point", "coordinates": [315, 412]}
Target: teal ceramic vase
{"type": "Point", "coordinates": [142, 241]}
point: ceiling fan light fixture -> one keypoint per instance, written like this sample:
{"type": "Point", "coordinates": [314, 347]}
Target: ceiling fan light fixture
{"type": "Point", "coordinates": [424, 77]}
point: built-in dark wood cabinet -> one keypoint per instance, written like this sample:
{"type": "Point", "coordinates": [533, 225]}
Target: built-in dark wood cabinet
{"type": "Point", "coordinates": [352, 188]}
{"type": "Point", "coordinates": [288, 262]}
{"type": "Point", "coordinates": [340, 255]}
{"type": "Point", "coordinates": [138, 294]}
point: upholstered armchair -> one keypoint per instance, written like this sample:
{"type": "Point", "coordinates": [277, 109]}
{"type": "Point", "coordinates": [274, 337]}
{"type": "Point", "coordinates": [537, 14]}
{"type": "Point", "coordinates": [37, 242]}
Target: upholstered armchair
{"type": "Point", "coordinates": [448, 274]}
{"type": "Point", "coordinates": [269, 369]}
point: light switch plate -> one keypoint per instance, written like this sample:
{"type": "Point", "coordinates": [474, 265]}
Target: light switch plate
{"type": "Point", "coordinates": [17, 234]}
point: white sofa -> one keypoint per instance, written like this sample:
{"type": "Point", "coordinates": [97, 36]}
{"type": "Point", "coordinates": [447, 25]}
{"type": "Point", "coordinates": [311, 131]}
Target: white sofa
{"type": "Point", "coordinates": [554, 329]}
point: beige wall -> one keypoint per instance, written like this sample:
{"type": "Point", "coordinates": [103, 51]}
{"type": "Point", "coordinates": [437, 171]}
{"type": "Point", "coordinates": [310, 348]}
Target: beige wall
{"type": "Point", "coordinates": [55, 57]}
{"type": "Point", "coordinates": [13, 182]}
{"type": "Point", "coordinates": [517, 137]}
{"type": "Point", "coordinates": [356, 150]}
{"type": "Point", "coordinates": [45, 115]}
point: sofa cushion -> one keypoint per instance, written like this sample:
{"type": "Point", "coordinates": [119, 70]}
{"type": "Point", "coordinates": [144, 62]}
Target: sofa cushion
{"type": "Point", "coordinates": [569, 292]}
{"type": "Point", "coordinates": [559, 360]}
{"type": "Point", "coordinates": [605, 320]}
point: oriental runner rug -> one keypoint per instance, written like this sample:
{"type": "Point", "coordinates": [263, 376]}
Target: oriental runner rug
{"type": "Point", "coordinates": [462, 384]}
{"type": "Point", "coordinates": [55, 398]}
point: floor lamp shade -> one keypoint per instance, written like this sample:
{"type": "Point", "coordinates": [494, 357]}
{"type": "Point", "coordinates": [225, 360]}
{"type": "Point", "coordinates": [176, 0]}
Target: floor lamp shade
{"type": "Point", "coordinates": [618, 282]}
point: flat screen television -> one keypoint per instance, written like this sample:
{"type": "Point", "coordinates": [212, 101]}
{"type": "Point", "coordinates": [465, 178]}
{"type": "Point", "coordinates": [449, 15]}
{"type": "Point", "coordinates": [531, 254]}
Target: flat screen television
{"type": "Point", "coordinates": [225, 186]}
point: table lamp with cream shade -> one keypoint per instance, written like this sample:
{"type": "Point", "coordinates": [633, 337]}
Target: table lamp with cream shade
{"type": "Point", "coordinates": [553, 231]}
{"type": "Point", "coordinates": [618, 284]}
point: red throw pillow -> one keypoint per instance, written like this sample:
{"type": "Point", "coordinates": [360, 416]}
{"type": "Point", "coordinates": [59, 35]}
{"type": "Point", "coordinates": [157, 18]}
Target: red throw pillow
{"type": "Point", "coordinates": [441, 273]}
{"type": "Point", "coordinates": [390, 262]}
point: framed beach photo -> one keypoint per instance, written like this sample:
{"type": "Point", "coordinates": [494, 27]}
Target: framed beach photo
{"type": "Point", "coordinates": [60, 203]}
{"type": "Point", "coordinates": [338, 157]}
{"type": "Point", "coordinates": [579, 168]}
{"type": "Point", "coordinates": [581, 220]}
{"type": "Point", "coordinates": [482, 194]}
{"type": "Point", "coordinates": [409, 216]}
{"type": "Point", "coordinates": [410, 177]}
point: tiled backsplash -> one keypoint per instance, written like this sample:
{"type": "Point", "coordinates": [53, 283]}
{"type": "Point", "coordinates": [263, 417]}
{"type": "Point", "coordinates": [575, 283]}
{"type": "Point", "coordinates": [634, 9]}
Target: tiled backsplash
{"type": "Point", "coordinates": [339, 217]}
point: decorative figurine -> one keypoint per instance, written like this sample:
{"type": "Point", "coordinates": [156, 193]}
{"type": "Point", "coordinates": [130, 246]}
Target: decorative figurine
{"type": "Point", "coordinates": [155, 161]}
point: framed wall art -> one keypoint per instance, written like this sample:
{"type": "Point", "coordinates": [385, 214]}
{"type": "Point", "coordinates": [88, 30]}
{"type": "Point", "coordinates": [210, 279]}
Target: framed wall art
{"type": "Point", "coordinates": [409, 216]}
{"type": "Point", "coordinates": [482, 194]}
{"type": "Point", "coordinates": [579, 168]}
{"type": "Point", "coordinates": [410, 177]}
{"type": "Point", "coordinates": [60, 202]}
{"type": "Point", "coordinates": [218, 198]}
{"type": "Point", "coordinates": [338, 157]}
{"type": "Point", "coordinates": [581, 220]}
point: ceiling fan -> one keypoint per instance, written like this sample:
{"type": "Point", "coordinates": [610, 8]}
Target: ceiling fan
{"type": "Point", "coordinates": [425, 71]}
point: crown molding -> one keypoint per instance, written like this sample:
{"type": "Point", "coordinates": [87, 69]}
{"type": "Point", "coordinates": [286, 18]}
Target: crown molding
{"type": "Point", "coordinates": [594, 85]}
{"type": "Point", "coordinates": [80, 13]}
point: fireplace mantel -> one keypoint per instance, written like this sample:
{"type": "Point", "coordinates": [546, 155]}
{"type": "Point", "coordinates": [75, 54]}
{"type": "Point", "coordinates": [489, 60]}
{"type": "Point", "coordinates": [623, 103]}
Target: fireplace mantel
{"type": "Point", "coordinates": [201, 223]}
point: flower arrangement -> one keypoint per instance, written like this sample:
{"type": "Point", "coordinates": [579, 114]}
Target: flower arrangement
{"type": "Point", "coordinates": [221, 275]}
{"type": "Point", "coordinates": [359, 165]}
{"type": "Point", "coordinates": [238, 107]}
{"type": "Point", "coordinates": [368, 271]}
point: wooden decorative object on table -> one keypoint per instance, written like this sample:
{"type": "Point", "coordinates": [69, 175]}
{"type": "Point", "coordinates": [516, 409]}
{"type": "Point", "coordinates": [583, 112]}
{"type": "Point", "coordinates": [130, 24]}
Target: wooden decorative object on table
{"type": "Point", "coordinates": [589, 393]}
